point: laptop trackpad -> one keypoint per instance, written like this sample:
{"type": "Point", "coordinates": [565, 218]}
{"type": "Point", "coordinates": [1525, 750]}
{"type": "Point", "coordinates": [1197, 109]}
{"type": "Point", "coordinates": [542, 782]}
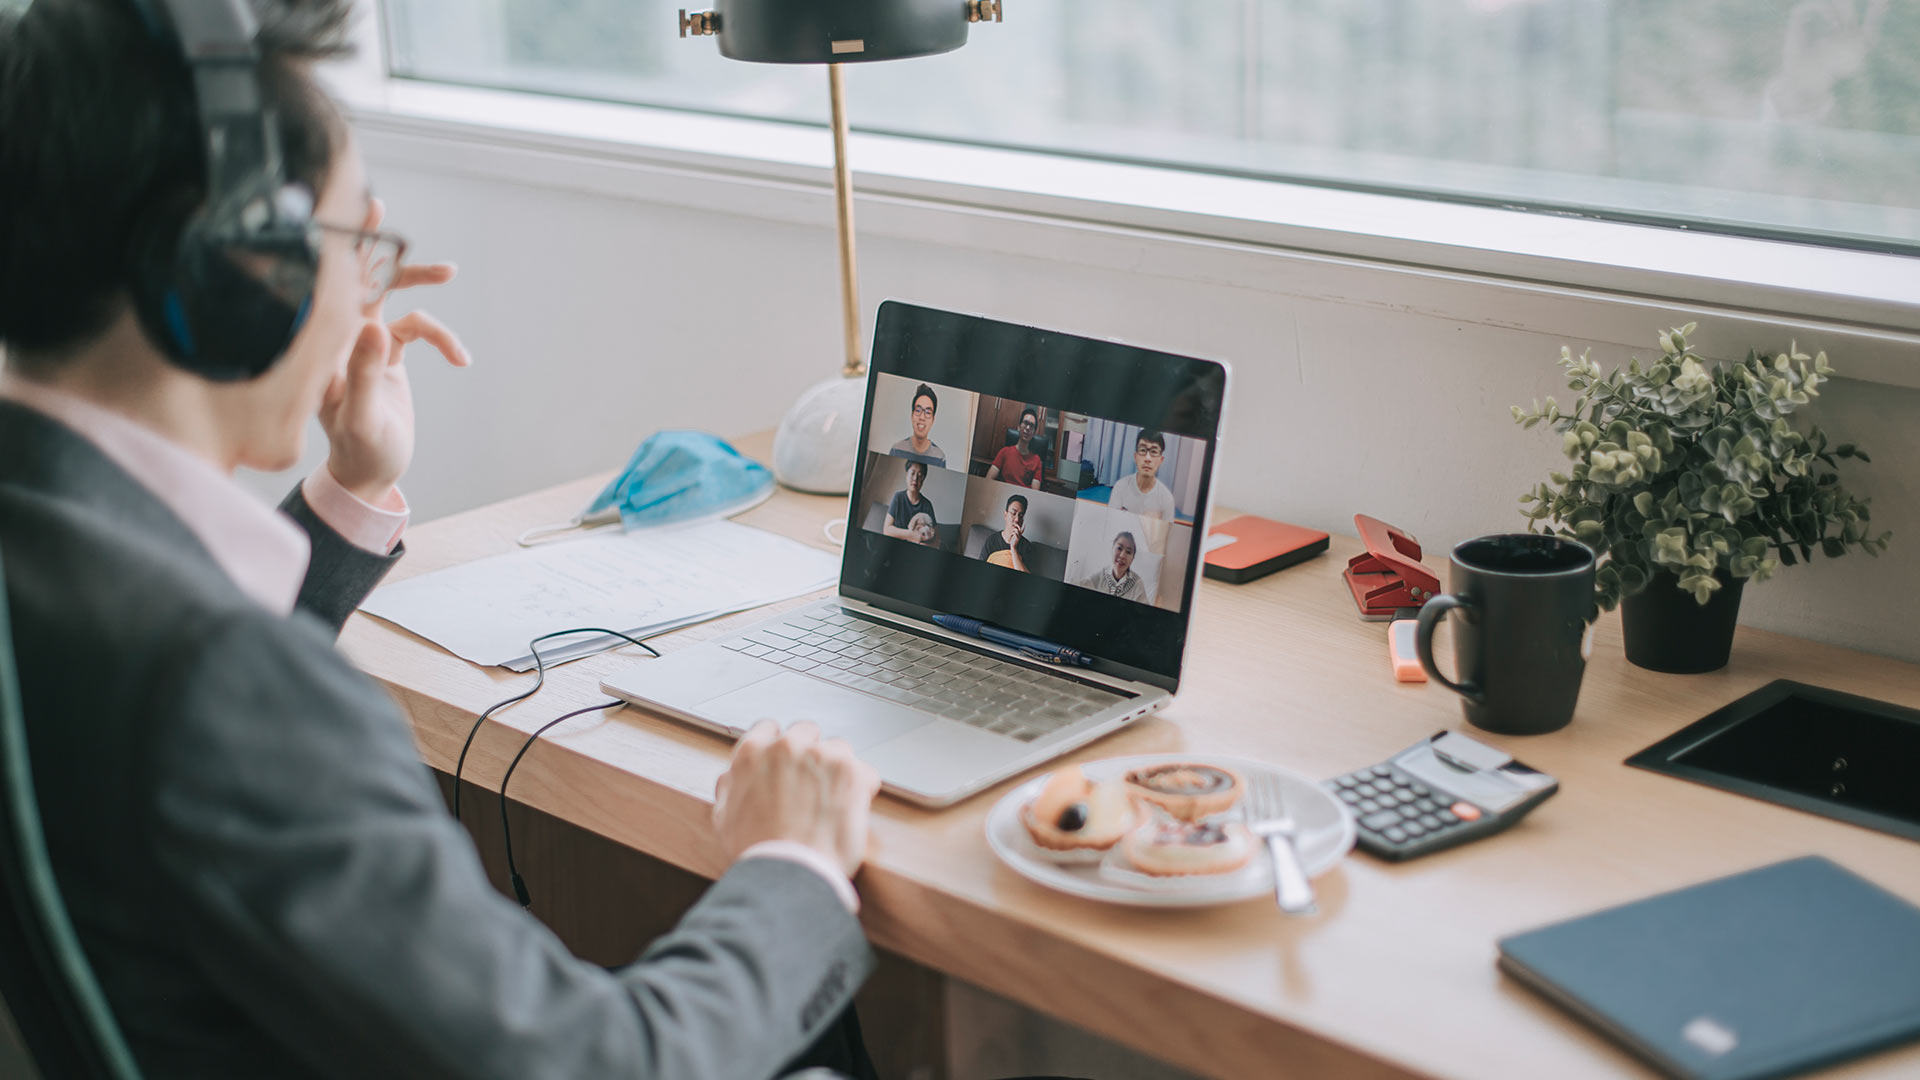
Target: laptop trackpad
{"type": "Point", "coordinates": [786, 697]}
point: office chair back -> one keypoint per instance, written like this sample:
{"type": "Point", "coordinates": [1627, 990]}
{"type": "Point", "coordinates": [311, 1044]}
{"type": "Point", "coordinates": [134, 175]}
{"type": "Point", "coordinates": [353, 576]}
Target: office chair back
{"type": "Point", "coordinates": [48, 985]}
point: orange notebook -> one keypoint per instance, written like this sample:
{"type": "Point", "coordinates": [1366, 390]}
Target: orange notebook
{"type": "Point", "coordinates": [1249, 547]}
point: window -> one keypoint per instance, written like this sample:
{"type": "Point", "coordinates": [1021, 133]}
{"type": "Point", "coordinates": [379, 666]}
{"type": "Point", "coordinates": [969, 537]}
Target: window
{"type": "Point", "coordinates": [1796, 119]}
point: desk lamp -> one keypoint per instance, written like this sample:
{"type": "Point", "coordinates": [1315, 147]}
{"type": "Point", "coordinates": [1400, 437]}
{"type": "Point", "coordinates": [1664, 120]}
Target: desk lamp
{"type": "Point", "coordinates": [814, 447]}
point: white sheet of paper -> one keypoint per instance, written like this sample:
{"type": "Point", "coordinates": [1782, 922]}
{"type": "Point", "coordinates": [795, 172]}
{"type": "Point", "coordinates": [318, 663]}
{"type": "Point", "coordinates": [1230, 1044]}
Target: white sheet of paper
{"type": "Point", "coordinates": [486, 611]}
{"type": "Point", "coordinates": [1217, 540]}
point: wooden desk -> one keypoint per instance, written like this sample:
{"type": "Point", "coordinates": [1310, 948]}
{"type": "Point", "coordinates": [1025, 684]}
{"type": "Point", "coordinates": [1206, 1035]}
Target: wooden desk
{"type": "Point", "coordinates": [1395, 977]}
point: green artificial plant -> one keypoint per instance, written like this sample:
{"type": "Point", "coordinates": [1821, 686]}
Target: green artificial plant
{"type": "Point", "coordinates": [1695, 470]}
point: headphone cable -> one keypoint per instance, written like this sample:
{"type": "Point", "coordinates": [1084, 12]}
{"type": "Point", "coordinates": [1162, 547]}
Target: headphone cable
{"type": "Point", "coordinates": [539, 680]}
{"type": "Point", "coordinates": [506, 831]}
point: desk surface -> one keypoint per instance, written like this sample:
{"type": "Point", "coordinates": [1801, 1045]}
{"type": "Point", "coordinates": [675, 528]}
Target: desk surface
{"type": "Point", "coordinates": [1394, 978]}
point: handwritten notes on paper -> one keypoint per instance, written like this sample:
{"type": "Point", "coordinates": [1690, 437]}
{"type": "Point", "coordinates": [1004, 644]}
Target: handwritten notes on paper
{"type": "Point", "coordinates": [640, 583]}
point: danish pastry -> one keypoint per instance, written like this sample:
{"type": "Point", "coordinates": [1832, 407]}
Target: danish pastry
{"type": "Point", "coordinates": [1074, 814]}
{"type": "Point", "coordinates": [1187, 790]}
{"type": "Point", "coordinates": [1179, 848]}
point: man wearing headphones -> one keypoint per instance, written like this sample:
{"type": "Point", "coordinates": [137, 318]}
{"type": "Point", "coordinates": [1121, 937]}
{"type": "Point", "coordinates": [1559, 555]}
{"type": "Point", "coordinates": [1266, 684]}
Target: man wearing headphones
{"type": "Point", "coordinates": [259, 868]}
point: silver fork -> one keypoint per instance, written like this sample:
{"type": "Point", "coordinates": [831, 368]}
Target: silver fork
{"type": "Point", "coordinates": [1268, 818]}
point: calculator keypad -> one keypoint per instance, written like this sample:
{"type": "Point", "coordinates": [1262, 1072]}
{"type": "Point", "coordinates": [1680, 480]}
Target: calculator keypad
{"type": "Point", "coordinates": [1397, 812]}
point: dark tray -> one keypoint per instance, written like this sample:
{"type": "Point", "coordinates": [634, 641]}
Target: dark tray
{"type": "Point", "coordinates": [1838, 755]}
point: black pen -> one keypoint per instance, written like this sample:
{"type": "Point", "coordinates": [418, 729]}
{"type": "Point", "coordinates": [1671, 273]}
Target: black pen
{"type": "Point", "coordinates": [1030, 647]}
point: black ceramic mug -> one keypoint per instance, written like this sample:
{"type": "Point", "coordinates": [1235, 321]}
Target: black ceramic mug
{"type": "Point", "coordinates": [1521, 642]}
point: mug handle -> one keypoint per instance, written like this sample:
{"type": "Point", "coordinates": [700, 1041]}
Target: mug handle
{"type": "Point", "coordinates": [1431, 613]}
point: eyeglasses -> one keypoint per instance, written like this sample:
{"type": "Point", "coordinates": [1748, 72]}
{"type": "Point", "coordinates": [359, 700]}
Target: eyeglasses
{"type": "Point", "coordinates": [923, 410]}
{"type": "Point", "coordinates": [381, 255]}
{"type": "Point", "coordinates": [1148, 450]}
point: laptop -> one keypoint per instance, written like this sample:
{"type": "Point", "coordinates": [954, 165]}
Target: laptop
{"type": "Point", "coordinates": [1051, 486]}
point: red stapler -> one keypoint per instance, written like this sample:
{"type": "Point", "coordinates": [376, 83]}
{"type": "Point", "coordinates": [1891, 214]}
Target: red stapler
{"type": "Point", "coordinates": [1389, 576]}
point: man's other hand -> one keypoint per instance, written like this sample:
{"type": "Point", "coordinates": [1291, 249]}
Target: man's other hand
{"type": "Point", "coordinates": [795, 786]}
{"type": "Point", "coordinates": [368, 409]}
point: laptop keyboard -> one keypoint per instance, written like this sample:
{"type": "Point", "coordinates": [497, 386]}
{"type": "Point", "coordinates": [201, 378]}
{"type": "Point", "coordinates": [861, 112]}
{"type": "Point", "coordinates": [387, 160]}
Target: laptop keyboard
{"type": "Point", "coordinates": [981, 691]}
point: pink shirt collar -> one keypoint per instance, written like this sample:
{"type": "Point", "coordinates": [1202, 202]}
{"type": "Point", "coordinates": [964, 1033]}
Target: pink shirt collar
{"type": "Point", "coordinates": [262, 550]}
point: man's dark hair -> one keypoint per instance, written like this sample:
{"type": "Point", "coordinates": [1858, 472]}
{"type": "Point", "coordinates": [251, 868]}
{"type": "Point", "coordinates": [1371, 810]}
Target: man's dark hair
{"type": "Point", "coordinates": [103, 137]}
{"type": "Point", "coordinates": [925, 391]}
{"type": "Point", "coordinates": [1153, 437]}
{"type": "Point", "coordinates": [911, 462]}
{"type": "Point", "coordinates": [1021, 499]}
{"type": "Point", "coordinates": [1024, 413]}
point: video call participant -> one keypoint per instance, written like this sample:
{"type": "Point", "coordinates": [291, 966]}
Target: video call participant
{"type": "Point", "coordinates": [918, 446]}
{"type": "Point", "coordinates": [1009, 547]}
{"type": "Point", "coordinates": [1141, 492]}
{"type": "Point", "coordinates": [1120, 580]}
{"type": "Point", "coordinates": [1015, 463]}
{"type": "Point", "coordinates": [261, 871]}
{"type": "Point", "coordinates": [911, 515]}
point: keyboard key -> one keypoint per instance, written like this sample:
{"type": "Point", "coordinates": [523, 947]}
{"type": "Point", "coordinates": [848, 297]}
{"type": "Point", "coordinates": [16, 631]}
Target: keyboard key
{"type": "Point", "coordinates": [778, 656]}
{"type": "Point", "coordinates": [1413, 828]}
{"type": "Point", "coordinates": [756, 650]}
{"type": "Point", "coordinates": [736, 646]}
{"type": "Point", "coordinates": [1380, 820]}
{"type": "Point", "coordinates": [1421, 790]}
{"type": "Point", "coordinates": [863, 669]}
{"type": "Point", "coordinates": [1349, 796]}
{"type": "Point", "coordinates": [1395, 835]}
{"type": "Point", "coordinates": [1344, 781]}
{"type": "Point", "coordinates": [1429, 821]}
{"type": "Point", "coordinates": [1426, 806]}
{"type": "Point", "coordinates": [799, 664]}
{"type": "Point", "coordinates": [791, 633]}
{"type": "Point", "coordinates": [1366, 806]}
{"type": "Point", "coordinates": [1447, 817]}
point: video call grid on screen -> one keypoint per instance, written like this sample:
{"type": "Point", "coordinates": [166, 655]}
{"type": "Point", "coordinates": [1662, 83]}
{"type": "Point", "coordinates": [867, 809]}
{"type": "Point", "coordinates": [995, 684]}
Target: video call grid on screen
{"type": "Point", "coordinates": [978, 430]}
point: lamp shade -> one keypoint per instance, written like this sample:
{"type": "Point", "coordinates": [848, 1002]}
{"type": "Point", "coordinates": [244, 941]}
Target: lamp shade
{"type": "Point", "coordinates": [839, 31]}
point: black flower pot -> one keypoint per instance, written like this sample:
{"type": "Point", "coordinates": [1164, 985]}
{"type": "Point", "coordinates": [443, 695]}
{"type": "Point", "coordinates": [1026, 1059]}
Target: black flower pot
{"type": "Point", "coordinates": [1667, 630]}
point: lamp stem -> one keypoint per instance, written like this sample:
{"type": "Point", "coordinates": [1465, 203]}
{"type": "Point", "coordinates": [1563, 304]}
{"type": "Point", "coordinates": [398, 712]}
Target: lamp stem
{"type": "Point", "coordinates": [856, 364]}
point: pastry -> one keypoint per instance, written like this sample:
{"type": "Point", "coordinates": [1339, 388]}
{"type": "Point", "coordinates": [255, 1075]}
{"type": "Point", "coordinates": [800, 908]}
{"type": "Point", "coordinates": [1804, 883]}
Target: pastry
{"type": "Point", "coordinates": [1187, 790]}
{"type": "Point", "coordinates": [1074, 814]}
{"type": "Point", "coordinates": [1181, 848]}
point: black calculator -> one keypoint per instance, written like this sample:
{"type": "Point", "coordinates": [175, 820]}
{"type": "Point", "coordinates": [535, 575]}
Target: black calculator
{"type": "Point", "coordinates": [1437, 793]}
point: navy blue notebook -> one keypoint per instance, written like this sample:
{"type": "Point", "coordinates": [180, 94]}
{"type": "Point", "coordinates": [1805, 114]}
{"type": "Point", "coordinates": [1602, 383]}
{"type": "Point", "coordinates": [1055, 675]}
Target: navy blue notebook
{"type": "Point", "coordinates": [1762, 974]}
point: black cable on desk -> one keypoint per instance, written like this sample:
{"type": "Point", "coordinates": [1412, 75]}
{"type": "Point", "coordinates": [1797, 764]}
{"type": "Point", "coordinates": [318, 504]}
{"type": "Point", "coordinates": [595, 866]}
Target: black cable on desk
{"type": "Point", "coordinates": [506, 831]}
{"type": "Point", "coordinates": [539, 680]}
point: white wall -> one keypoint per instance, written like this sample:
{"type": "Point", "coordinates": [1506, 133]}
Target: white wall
{"type": "Point", "coordinates": [595, 319]}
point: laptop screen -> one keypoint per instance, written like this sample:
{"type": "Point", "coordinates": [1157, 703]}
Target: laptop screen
{"type": "Point", "coordinates": [1051, 484]}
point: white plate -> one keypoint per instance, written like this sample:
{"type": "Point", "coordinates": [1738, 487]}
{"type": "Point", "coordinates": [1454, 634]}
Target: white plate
{"type": "Point", "coordinates": [1324, 836]}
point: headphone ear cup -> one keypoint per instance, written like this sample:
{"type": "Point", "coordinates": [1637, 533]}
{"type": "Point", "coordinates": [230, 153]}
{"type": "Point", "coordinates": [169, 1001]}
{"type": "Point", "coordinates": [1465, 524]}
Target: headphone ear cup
{"type": "Point", "coordinates": [151, 282]}
{"type": "Point", "coordinates": [225, 312]}
{"type": "Point", "coordinates": [243, 317]}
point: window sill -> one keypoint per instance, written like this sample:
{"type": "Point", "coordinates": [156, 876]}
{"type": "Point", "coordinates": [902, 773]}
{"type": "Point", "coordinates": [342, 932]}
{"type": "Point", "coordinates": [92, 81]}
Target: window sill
{"type": "Point", "coordinates": [1601, 281]}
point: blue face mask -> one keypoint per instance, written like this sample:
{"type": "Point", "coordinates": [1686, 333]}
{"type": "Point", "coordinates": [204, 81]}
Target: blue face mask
{"type": "Point", "coordinates": [673, 478]}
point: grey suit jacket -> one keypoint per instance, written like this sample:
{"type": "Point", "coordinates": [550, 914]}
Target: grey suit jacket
{"type": "Point", "coordinates": [262, 871]}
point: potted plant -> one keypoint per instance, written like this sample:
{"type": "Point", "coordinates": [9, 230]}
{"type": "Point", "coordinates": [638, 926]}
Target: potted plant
{"type": "Point", "coordinates": [1689, 481]}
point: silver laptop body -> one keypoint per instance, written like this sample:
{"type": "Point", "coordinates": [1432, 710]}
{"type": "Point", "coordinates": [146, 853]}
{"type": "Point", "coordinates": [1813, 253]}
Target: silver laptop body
{"type": "Point", "coordinates": [938, 714]}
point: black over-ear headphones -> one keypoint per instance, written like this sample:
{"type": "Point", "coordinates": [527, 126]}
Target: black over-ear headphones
{"type": "Point", "coordinates": [224, 286]}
